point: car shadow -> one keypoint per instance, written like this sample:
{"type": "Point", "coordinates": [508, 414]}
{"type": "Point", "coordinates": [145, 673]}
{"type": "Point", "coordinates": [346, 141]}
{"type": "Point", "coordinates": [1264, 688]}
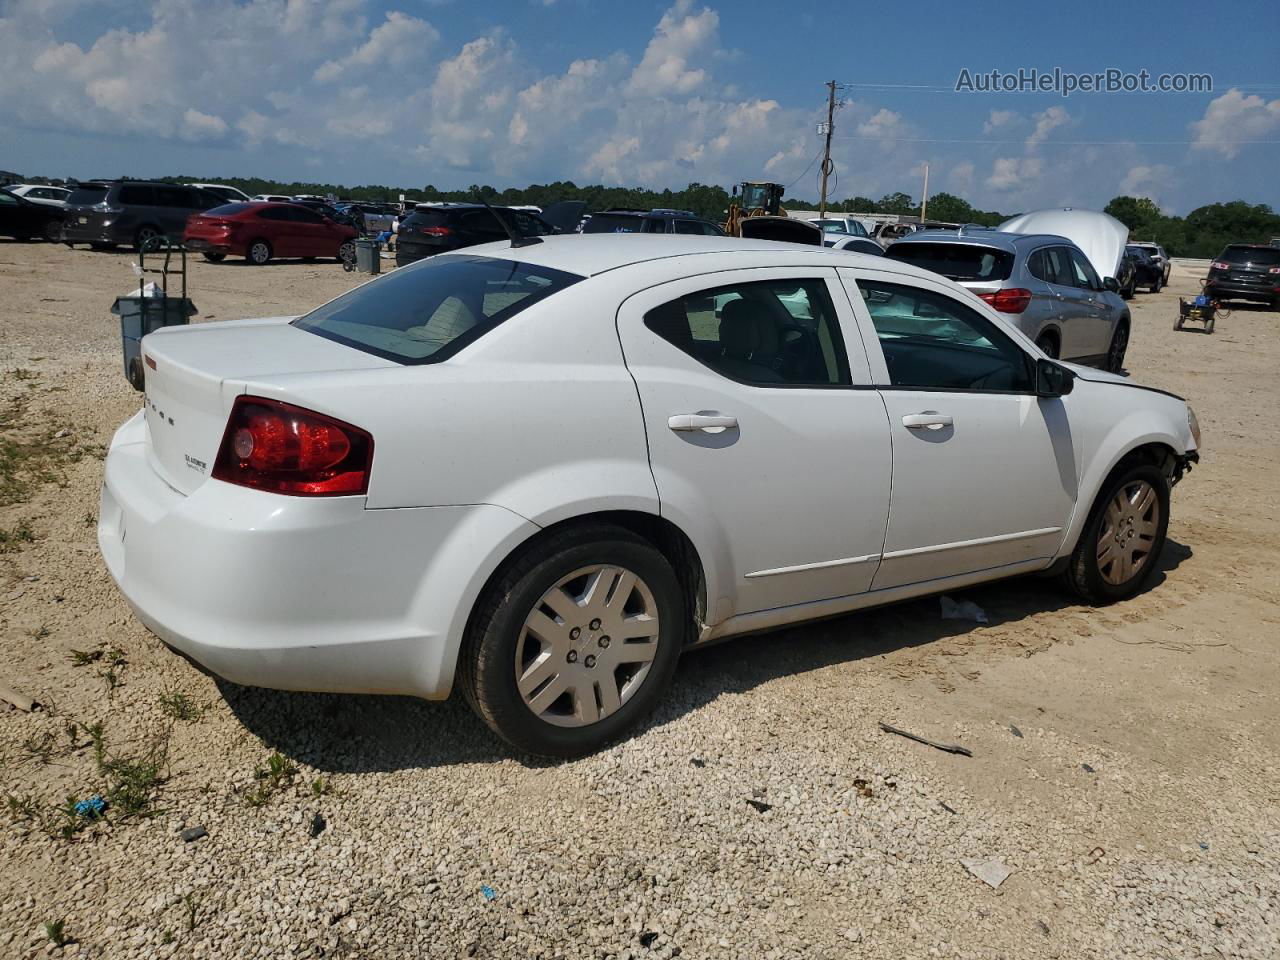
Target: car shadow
{"type": "Point", "coordinates": [344, 733]}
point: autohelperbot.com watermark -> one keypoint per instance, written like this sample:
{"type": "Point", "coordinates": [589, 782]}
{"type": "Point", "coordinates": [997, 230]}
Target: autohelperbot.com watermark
{"type": "Point", "coordinates": [1066, 82]}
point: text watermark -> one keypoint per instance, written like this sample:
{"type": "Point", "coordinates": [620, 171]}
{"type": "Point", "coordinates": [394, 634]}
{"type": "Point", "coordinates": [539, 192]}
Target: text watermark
{"type": "Point", "coordinates": [1065, 82]}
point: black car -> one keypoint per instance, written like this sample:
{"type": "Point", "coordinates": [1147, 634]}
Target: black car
{"type": "Point", "coordinates": [326, 209]}
{"type": "Point", "coordinates": [1246, 271]}
{"type": "Point", "coordinates": [21, 218]}
{"type": "Point", "coordinates": [432, 230]}
{"type": "Point", "coordinates": [107, 213]}
{"type": "Point", "coordinates": [1146, 271]}
{"type": "Point", "coordinates": [651, 221]}
{"type": "Point", "coordinates": [1126, 277]}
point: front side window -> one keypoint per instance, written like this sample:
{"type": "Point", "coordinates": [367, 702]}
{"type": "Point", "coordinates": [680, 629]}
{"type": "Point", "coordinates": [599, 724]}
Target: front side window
{"type": "Point", "coordinates": [933, 342]}
{"type": "Point", "coordinates": [430, 311]}
{"type": "Point", "coordinates": [1085, 276]}
{"type": "Point", "coordinates": [766, 333]}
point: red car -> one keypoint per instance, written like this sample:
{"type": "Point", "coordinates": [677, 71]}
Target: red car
{"type": "Point", "coordinates": [259, 231]}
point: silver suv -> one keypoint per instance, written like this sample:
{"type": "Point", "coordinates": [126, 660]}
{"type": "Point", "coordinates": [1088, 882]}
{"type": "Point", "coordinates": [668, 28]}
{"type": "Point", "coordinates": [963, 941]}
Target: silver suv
{"type": "Point", "coordinates": [1044, 282]}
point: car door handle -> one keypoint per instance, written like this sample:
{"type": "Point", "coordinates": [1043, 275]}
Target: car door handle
{"type": "Point", "coordinates": [929, 420]}
{"type": "Point", "coordinates": [688, 422]}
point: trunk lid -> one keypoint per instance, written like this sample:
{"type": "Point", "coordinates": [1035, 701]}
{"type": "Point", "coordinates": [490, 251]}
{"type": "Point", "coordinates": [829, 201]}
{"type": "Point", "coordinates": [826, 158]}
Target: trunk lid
{"type": "Point", "coordinates": [194, 374]}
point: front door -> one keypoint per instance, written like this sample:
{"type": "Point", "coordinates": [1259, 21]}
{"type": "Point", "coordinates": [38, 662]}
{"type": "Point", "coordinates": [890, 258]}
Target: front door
{"type": "Point", "coordinates": [984, 471]}
{"type": "Point", "coordinates": [768, 444]}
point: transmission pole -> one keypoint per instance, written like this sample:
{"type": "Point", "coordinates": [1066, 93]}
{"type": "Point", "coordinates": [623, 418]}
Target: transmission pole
{"type": "Point", "coordinates": [826, 150]}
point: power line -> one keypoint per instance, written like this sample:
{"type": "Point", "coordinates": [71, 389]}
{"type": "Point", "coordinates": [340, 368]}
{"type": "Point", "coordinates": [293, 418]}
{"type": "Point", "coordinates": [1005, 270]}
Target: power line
{"type": "Point", "coordinates": [1066, 143]}
{"type": "Point", "coordinates": [934, 88]}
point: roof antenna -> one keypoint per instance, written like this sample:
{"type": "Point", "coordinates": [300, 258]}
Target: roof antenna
{"type": "Point", "coordinates": [516, 241]}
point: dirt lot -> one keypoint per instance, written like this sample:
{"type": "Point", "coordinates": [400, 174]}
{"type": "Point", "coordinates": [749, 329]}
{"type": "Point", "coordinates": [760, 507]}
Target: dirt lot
{"type": "Point", "coordinates": [1126, 761]}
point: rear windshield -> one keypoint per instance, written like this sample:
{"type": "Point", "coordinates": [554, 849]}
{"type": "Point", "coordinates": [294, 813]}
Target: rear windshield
{"type": "Point", "coordinates": [424, 218]}
{"type": "Point", "coordinates": [430, 311]}
{"type": "Point", "coordinates": [613, 223]}
{"type": "Point", "coordinates": [1264, 256]}
{"type": "Point", "coordinates": [228, 210]}
{"type": "Point", "coordinates": [87, 194]}
{"type": "Point", "coordinates": [955, 260]}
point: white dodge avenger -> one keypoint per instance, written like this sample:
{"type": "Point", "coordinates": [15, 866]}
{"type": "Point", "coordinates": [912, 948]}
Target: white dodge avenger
{"type": "Point", "coordinates": [540, 472]}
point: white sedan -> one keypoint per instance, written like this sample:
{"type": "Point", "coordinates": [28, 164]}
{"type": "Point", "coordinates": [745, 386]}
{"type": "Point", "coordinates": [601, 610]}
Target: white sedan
{"type": "Point", "coordinates": [541, 472]}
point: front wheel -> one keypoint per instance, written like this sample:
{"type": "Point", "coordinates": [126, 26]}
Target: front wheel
{"type": "Point", "coordinates": [53, 230]}
{"type": "Point", "coordinates": [1122, 539]}
{"type": "Point", "coordinates": [1048, 346]}
{"type": "Point", "coordinates": [259, 252]}
{"type": "Point", "coordinates": [214, 257]}
{"type": "Point", "coordinates": [347, 253]}
{"type": "Point", "coordinates": [1119, 346]}
{"type": "Point", "coordinates": [575, 643]}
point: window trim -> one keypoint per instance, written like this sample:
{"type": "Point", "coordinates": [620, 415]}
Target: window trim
{"type": "Point", "coordinates": [879, 369]}
{"type": "Point", "coordinates": [839, 344]}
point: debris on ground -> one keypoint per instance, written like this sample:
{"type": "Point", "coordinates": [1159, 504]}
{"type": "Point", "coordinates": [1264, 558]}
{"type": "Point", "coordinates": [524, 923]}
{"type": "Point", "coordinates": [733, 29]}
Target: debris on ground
{"type": "Point", "coordinates": [1015, 731]}
{"type": "Point", "coordinates": [948, 747]}
{"type": "Point", "coordinates": [1087, 769]}
{"type": "Point", "coordinates": [1096, 854]}
{"type": "Point", "coordinates": [19, 700]}
{"type": "Point", "coordinates": [991, 872]}
{"type": "Point", "coordinates": [488, 892]}
{"type": "Point", "coordinates": [191, 834]}
{"type": "Point", "coordinates": [961, 610]}
{"type": "Point", "coordinates": [317, 826]}
{"type": "Point", "coordinates": [92, 808]}
{"type": "Point", "coordinates": [761, 806]}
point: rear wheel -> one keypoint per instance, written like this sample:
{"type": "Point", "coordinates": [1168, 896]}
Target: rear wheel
{"type": "Point", "coordinates": [575, 643]}
{"type": "Point", "coordinates": [1119, 346]}
{"type": "Point", "coordinates": [347, 251]}
{"type": "Point", "coordinates": [1122, 539]}
{"type": "Point", "coordinates": [1048, 345]}
{"type": "Point", "coordinates": [258, 253]}
{"type": "Point", "coordinates": [215, 257]}
{"type": "Point", "coordinates": [145, 236]}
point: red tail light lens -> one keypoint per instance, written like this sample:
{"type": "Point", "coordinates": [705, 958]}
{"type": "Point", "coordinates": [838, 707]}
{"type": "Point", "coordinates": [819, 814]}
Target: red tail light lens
{"type": "Point", "coordinates": [1219, 265]}
{"type": "Point", "coordinates": [269, 445]}
{"type": "Point", "coordinates": [435, 231]}
{"type": "Point", "coordinates": [1013, 300]}
{"type": "Point", "coordinates": [1274, 270]}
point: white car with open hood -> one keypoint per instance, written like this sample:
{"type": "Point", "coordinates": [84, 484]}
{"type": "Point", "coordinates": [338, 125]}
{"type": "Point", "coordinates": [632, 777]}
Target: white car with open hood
{"type": "Point", "coordinates": [541, 472]}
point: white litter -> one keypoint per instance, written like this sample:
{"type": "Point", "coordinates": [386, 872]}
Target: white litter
{"type": "Point", "coordinates": [991, 872]}
{"type": "Point", "coordinates": [964, 610]}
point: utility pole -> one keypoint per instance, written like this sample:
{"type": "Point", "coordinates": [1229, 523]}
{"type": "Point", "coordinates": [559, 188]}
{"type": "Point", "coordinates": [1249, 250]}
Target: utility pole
{"type": "Point", "coordinates": [924, 201]}
{"type": "Point", "coordinates": [826, 150]}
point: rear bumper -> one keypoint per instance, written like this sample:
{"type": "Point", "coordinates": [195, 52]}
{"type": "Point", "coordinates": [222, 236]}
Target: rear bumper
{"type": "Point", "coordinates": [201, 245]}
{"type": "Point", "coordinates": [1243, 291]}
{"type": "Point", "coordinates": [294, 593]}
{"type": "Point", "coordinates": [76, 232]}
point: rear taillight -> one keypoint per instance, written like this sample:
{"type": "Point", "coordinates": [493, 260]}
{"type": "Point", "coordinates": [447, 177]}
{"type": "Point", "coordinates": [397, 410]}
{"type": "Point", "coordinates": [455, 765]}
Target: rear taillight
{"type": "Point", "coordinates": [435, 231]}
{"type": "Point", "coordinates": [1274, 270]}
{"type": "Point", "coordinates": [274, 446]}
{"type": "Point", "coordinates": [1013, 300]}
{"type": "Point", "coordinates": [1219, 265]}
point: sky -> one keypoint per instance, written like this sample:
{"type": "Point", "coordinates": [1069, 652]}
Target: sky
{"type": "Point", "coordinates": [511, 92]}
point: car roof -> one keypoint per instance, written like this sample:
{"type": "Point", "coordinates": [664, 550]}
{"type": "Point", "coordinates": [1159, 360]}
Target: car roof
{"type": "Point", "coordinates": [592, 254]}
{"type": "Point", "coordinates": [983, 237]}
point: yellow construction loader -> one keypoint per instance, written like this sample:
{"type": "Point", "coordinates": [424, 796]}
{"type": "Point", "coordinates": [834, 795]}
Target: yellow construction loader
{"type": "Point", "coordinates": [753, 199]}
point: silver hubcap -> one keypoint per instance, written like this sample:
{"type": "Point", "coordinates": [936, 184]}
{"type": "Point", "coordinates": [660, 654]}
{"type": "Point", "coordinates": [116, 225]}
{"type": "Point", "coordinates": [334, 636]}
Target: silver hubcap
{"type": "Point", "coordinates": [1128, 532]}
{"type": "Point", "coordinates": [587, 646]}
{"type": "Point", "coordinates": [259, 252]}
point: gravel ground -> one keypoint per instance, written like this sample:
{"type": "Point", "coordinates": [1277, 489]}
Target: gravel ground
{"type": "Point", "coordinates": [1125, 760]}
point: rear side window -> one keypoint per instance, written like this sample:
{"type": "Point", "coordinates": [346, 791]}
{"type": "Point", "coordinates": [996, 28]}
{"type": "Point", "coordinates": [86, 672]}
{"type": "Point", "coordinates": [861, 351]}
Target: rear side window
{"type": "Point", "coordinates": [614, 223]}
{"type": "Point", "coordinates": [957, 261]}
{"type": "Point", "coordinates": [430, 311]}
{"type": "Point", "coordinates": [1263, 256]}
{"type": "Point", "coordinates": [1052, 265]}
{"type": "Point", "coordinates": [228, 210]}
{"type": "Point", "coordinates": [86, 195]}
{"type": "Point", "coordinates": [767, 333]}
{"type": "Point", "coordinates": [181, 197]}
{"type": "Point", "coordinates": [136, 195]}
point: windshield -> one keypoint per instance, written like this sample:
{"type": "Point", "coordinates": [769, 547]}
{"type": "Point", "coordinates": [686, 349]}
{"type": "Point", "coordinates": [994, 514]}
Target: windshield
{"type": "Point", "coordinates": [956, 261]}
{"type": "Point", "coordinates": [87, 194]}
{"type": "Point", "coordinates": [614, 223]}
{"type": "Point", "coordinates": [754, 195]}
{"type": "Point", "coordinates": [1262, 256]}
{"type": "Point", "coordinates": [430, 311]}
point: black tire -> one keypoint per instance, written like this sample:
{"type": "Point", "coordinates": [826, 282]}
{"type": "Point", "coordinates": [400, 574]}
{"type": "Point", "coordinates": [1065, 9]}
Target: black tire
{"type": "Point", "coordinates": [486, 662]}
{"type": "Point", "coordinates": [1208, 327]}
{"type": "Point", "coordinates": [1084, 576]}
{"type": "Point", "coordinates": [258, 252]}
{"type": "Point", "coordinates": [1119, 347]}
{"type": "Point", "coordinates": [137, 375]}
{"type": "Point", "coordinates": [214, 257]}
{"type": "Point", "coordinates": [1155, 285]}
{"type": "Point", "coordinates": [1048, 345]}
{"type": "Point", "coordinates": [347, 251]}
{"type": "Point", "coordinates": [53, 230]}
{"type": "Point", "coordinates": [102, 247]}
{"type": "Point", "coordinates": [145, 235]}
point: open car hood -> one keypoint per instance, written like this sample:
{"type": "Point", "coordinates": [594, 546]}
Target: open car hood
{"type": "Point", "coordinates": [564, 214]}
{"type": "Point", "coordinates": [1102, 237]}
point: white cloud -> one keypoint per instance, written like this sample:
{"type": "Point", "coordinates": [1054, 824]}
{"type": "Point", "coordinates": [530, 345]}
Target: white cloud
{"type": "Point", "coordinates": [1001, 118]}
{"type": "Point", "coordinates": [1014, 173]}
{"type": "Point", "coordinates": [682, 36]}
{"type": "Point", "coordinates": [397, 43]}
{"type": "Point", "coordinates": [202, 126]}
{"type": "Point", "coordinates": [1145, 180]}
{"type": "Point", "coordinates": [1234, 117]}
{"type": "Point", "coordinates": [1046, 122]}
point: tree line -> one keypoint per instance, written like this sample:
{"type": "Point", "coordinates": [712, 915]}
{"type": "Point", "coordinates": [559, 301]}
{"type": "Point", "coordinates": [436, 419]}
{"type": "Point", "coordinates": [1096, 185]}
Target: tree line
{"type": "Point", "coordinates": [1201, 233]}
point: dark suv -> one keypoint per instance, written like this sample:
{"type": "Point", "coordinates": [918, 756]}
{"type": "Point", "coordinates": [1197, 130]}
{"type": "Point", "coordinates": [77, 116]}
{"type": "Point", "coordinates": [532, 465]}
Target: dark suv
{"type": "Point", "coordinates": [1246, 271]}
{"type": "Point", "coordinates": [651, 221]}
{"type": "Point", "coordinates": [431, 230]}
{"type": "Point", "coordinates": [105, 213]}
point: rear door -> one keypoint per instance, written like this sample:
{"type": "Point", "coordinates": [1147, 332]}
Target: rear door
{"type": "Point", "coordinates": [173, 206]}
{"type": "Point", "coordinates": [1072, 307]}
{"type": "Point", "coordinates": [984, 471]}
{"type": "Point", "coordinates": [766, 440]}
{"type": "Point", "coordinates": [1097, 311]}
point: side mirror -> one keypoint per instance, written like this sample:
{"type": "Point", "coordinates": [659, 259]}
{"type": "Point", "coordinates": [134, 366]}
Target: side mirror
{"type": "Point", "coordinates": [1052, 379]}
{"type": "Point", "coordinates": [1110, 283]}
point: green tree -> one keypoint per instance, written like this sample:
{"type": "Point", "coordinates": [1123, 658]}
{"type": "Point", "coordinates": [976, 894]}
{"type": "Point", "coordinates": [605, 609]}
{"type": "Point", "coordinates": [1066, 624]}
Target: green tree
{"type": "Point", "coordinates": [948, 207]}
{"type": "Point", "coordinates": [1133, 212]}
{"type": "Point", "coordinates": [897, 203]}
